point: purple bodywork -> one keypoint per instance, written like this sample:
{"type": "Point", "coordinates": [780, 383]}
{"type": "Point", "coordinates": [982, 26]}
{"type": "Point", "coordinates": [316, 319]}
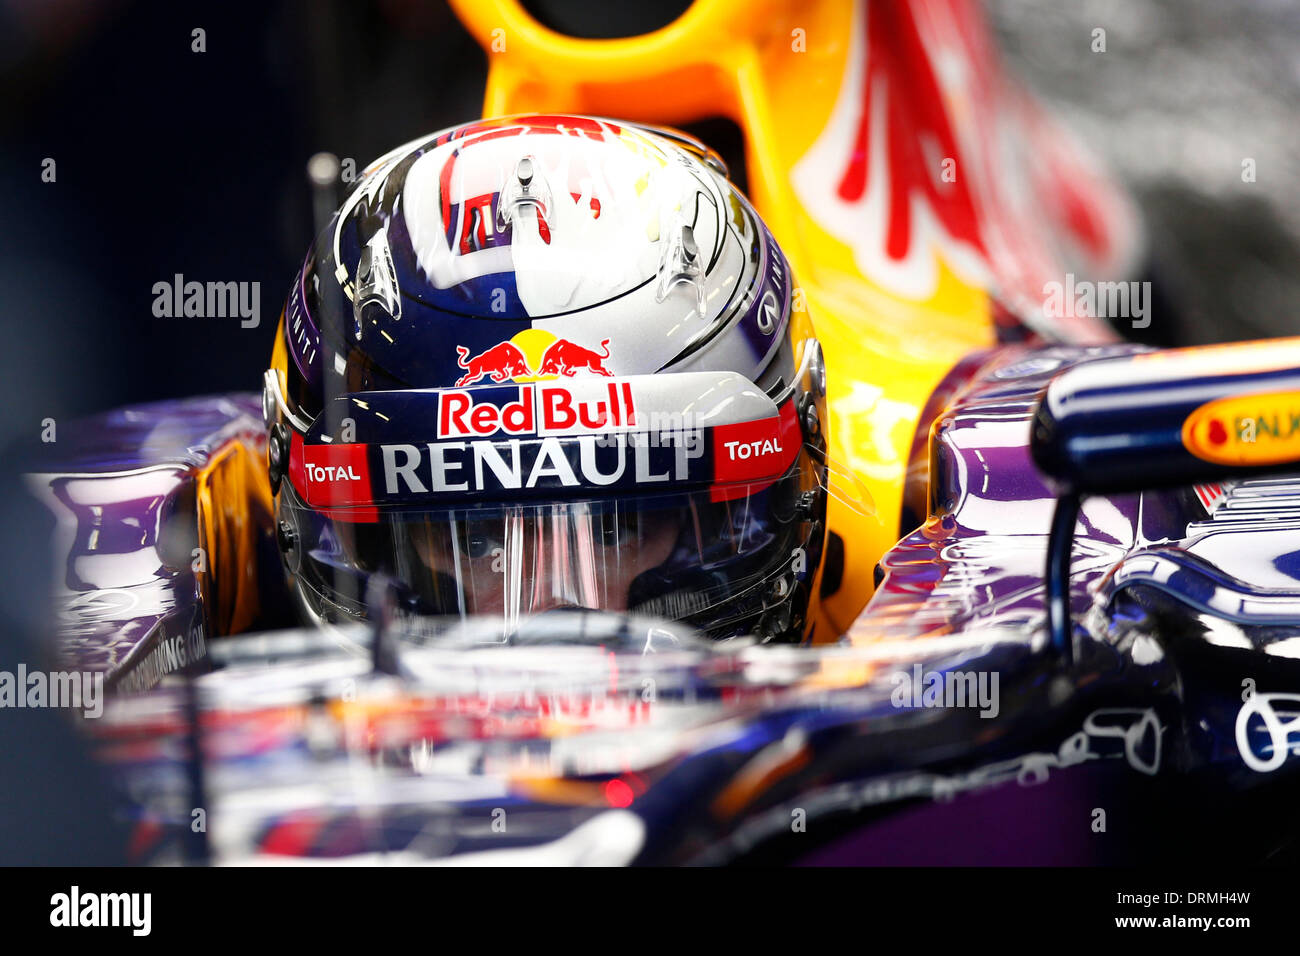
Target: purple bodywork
{"type": "Point", "coordinates": [126, 599]}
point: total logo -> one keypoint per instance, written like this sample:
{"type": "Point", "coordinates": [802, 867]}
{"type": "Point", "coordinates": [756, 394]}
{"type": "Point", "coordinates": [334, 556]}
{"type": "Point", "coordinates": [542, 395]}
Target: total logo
{"type": "Point", "coordinates": [540, 410]}
{"type": "Point", "coordinates": [330, 472]}
{"type": "Point", "coordinates": [533, 355]}
{"type": "Point", "coordinates": [744, 450]}
{"type": "Point", "coordinates": [336, 475]}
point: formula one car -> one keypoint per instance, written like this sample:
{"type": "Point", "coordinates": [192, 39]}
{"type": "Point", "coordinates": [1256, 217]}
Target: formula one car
{"type": "Point", "coordinates": [944, 571]}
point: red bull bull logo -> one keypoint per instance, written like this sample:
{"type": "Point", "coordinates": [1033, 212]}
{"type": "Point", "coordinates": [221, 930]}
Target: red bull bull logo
{"type": "Point", "coordinates": [503, 362]}
{"type": "Point", "coordinates": [566, 359]}
{"type": "Point", "coordinates": [533, 355]}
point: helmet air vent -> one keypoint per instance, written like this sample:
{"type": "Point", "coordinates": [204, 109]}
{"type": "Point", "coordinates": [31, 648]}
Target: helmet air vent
{"type": "Point", "coordinates": [376, 282]}
{"type": "Point", "coordinates": [526, 189]}
{"type": "Point", "coordinates": [681, 264]}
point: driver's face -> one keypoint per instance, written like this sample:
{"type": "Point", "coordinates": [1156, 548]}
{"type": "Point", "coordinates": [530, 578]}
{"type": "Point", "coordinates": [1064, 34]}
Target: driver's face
{"type": "Point", "coordinates": [537, 561]}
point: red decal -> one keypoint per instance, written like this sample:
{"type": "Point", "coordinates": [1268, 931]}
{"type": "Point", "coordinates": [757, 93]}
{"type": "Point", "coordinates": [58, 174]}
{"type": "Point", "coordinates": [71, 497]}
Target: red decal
{"type": "Point", "coordinates": [506, 361]}
{"type": "Point", "coordinates": [336, 476]}
{"type": "Point", "coordinates": [560, 412]}
{"type": "Point", "coordinates": [296, 477]}
{"type": "Point", "coordinates": [627, 404]}
{"type": "Point", "coordinates": [501, 363]}
{"type": "Point", "coordinates": [755, 451]}
{"type": "Point", "coordinates": [568, 358]}
{"type": "Point", "coordinates": [460, 417]}
{"type": "Point", "coordinates": [1210, 495]}
{"type": "Point", "coordinates": [557, 409]}
{"type": "Point", "coordinates": [916, 118]}
{"type": "Point", "coordinates": [474, 216]}
{"type": "Point", "coordinates": [541, 409]}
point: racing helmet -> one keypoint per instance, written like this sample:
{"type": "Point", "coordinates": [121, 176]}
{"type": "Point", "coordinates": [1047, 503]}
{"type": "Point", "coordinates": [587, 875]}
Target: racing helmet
{"type": "Point", "coordinates": [546, 362]}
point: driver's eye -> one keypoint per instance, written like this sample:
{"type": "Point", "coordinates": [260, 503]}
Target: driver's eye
{"type": "Point", "coordinates": [479, 545]}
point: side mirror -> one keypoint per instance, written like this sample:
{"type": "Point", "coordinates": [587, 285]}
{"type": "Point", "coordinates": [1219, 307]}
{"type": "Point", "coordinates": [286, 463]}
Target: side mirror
{"type": "Point", "coordinates": [1159, 420]}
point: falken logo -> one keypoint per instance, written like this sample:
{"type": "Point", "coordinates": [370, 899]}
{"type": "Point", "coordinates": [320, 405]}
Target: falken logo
{"type": "Point", "coordinates": [1262, 429]}
{"type": "Point", "coordinates": [540, 410]}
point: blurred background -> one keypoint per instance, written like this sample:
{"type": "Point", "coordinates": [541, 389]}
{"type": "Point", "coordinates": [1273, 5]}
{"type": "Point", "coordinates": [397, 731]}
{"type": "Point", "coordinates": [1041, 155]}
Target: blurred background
{"type": "Point", "coordinates": [1185, 90]}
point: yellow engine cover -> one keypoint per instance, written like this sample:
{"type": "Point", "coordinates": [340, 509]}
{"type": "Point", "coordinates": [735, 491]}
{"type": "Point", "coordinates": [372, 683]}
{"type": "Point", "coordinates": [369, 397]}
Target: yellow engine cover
{"type": "Point", "coordinates": [872, 154]}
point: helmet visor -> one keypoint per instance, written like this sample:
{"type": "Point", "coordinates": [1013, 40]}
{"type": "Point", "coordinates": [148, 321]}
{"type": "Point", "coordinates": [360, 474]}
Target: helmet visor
{"type": "Point", "coordinates": [684, 556]}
